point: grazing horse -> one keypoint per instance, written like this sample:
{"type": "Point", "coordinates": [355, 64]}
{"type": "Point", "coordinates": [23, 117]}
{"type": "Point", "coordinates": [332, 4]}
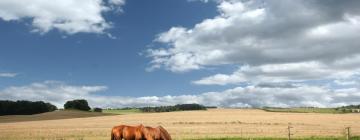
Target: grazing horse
{"type": "Point", "coordinates": [127, 132]}
{"type": "Point", "coordinates": [158, 133]}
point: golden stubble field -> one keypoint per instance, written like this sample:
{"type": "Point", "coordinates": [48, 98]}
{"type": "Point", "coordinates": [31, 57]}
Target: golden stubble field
{"type": "Point", "coordinates": [190, 124]}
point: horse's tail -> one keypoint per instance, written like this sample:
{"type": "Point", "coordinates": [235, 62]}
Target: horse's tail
{"type": "Point", "coordinates": [112, 135]}
{"type": "Point", "coordinates": [164, 134]}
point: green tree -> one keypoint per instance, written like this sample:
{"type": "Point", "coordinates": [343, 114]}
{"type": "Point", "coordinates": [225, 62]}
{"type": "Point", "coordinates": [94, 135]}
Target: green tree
{"type": "Point", "coordinates": [24, 107]}
{"type": "Point", "coordinates": [96, 109]}
{"type": "Point", "coordinates": [79, 104]}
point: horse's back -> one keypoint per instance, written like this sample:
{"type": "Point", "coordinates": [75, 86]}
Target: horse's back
{"type": "Point", "coordinates": [133, 133]}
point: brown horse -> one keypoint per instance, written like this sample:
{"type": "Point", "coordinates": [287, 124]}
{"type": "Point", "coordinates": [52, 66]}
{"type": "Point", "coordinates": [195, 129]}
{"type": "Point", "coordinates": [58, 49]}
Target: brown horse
{"type": "Point", "coordinates": [139, 133]}
{"type": "Point", "coordinates": [158, 133]}
{"type": "Point", "coordinates": [127, 132]}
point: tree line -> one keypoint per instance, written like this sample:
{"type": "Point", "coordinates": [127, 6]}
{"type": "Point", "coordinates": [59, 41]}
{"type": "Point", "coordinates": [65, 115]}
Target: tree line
{"type": "Point", "coordinates": [179, 107]}
{"type": "Point", "coordinates": [28, 107]}
{"type": "Point", "coordinates": [348, 109]}
{"type": "Point", "coordinates": [351, 107]}
{"type": "Point", "coordinates": [24, 107]}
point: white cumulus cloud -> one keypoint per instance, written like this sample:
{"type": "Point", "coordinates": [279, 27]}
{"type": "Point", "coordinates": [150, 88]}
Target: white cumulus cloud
{"type": "Point", "coordinates": [263, 32]}
{"type": "Point", "coordinates": [50, 91]}
{"type": "Point", "coordinates": [289, 53]}
{"type": "Point", "coordinates": [69, 16]}
{"type": "Point", "coordinates": [286, 72]}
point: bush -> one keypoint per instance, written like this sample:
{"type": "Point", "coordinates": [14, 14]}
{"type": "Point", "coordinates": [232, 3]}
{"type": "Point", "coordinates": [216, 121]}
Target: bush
{"type": "Point", "coordinates": [80, 104]}
{"type": "Point", "coordinates": [97, 109]}
{"type": "Point", "coordinates": [25, 107]}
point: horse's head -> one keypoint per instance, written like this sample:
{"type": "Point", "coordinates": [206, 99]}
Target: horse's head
{"type": "Point", "coordinates": [163, 133]}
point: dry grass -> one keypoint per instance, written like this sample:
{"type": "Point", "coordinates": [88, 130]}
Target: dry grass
{"type": "Point", "coordinates": [190, 124]}
{"type": "Point", "coordinates": [55, 115]}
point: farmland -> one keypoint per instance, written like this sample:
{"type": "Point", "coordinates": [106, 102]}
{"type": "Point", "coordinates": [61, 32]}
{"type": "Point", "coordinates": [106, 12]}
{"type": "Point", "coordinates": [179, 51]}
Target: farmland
{"type": "Point", "coordinates": [213, 123]}
{"type": "Point", "coordinates": [55, 115]}
{"type": "Point", "coordinates": [122, 111]}
{"type": "Point", "coordinates": [304, 110]}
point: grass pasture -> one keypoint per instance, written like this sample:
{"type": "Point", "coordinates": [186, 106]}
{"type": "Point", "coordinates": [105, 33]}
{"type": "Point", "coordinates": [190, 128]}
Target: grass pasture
{"type": "Point", "coordinates": [214, 124]}
{"type": "Point", "coordinates": [308, 138]}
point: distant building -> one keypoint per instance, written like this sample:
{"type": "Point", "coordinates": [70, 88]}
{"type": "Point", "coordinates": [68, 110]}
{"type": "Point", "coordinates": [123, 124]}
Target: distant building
{"type": "Point", "coordinates": [355, 110]}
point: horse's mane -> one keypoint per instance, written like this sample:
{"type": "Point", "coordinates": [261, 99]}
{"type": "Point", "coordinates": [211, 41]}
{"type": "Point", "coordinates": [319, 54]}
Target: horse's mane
{"type": "Point", "coordinates": [164, 134]}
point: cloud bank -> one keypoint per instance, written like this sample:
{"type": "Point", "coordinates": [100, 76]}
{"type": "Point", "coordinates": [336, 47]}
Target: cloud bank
{"type": "Point", "coordinates": [264, 32]}
{"type": "Point", "coordinates": [51, 91]}
{"type": "Point", "coordinates": [250, 96]}
{"type": "Point", "coordinates": [288, 53]}
{"type": "Point", "coordinates": [68, 16]}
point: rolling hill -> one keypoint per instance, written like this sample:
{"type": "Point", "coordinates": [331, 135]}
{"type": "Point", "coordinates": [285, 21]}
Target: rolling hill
{"type": "Point", "coordinates": [55, 115]}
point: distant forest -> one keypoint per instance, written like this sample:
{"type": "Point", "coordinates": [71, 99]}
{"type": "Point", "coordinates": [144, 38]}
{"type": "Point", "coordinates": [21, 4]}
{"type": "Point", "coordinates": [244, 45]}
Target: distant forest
{"type": "Point", "coordinates": [24, 107]}
{"type": "Point", "coordinates": [350, 107]}
{"type": "Point", "coordinates": [179, 107]}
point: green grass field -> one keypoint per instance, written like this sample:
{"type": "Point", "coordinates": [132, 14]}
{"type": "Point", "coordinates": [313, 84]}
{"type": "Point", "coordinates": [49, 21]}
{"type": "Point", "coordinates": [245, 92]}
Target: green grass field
{"type": "Point", "coordinates": [121, 111]}
{"type": "Point", "coordinates": [304, 110]}
{"type": "Point", "coordinates": [308, 138]}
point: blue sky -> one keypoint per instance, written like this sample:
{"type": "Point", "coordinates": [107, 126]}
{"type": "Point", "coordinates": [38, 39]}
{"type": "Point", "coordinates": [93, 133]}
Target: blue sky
{"type": "Point", "coordinates": [92, 59]}
{"type": "Point", "coordinates": [228, 53]}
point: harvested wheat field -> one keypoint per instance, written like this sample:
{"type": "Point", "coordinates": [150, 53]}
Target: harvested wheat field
{"type": "Point", "coordinates": [190, 124]}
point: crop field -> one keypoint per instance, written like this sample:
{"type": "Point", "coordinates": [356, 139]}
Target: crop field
{"type": "Point", "coordinates": [122, 111]}
{"type": "Point", "coordinates": [304, 110]}
{"type": "Point", "coordinates": [210, 124]}
{"type": "Point", "coordinates": [55, 115]}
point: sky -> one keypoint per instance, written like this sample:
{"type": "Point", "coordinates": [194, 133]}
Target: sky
{"type": "Point", "coordinates": [226, 53]}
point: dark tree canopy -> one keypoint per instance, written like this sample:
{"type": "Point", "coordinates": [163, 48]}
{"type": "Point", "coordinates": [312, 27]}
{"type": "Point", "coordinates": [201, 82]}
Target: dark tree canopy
{"type": "Point", "coordinates": [351, 107]}
{"type": "Point", "coordinates": [179, 107]}
{"type": "Point", "coordinates": [96, 109]}
{"type": "Point", "coordinates": [79, 104]}
{"type": "Point", "coordinates": [24, 107]}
